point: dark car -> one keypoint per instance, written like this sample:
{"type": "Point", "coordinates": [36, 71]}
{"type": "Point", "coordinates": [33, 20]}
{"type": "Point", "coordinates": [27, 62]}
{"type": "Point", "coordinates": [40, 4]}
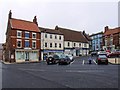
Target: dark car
{"type": "Point", "coordinates": [102, 59]}
{"type": "Point", "coordinates": [94, 53]}
{"type": "Point", "coordinates": [52, 59]}
{"type": "Point", "coordinates": [63, 59]}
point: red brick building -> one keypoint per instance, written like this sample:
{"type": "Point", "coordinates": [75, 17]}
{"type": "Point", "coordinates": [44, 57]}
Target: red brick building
{"type": "Point", "coordinates": [22, 40]}
{"type": "Point", "coordinates": [111, 38]}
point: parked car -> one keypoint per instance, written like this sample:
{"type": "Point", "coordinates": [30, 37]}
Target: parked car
{"type": "Point", "coordinates": [70, 56]}
{"type": "Point", "coordinates": [52, 59]}
{"type": "Point", "coordinates": [114, 54]}
{"type": "Point", "coordinates": [64, 59]}
{"type": "Point", "coordinates": [102, 59]}
{"type": "Point", "coordinates": [93, 53]}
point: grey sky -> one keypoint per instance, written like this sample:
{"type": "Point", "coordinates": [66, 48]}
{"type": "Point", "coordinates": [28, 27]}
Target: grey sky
{"type": "Point", "coordinates": [79, 15]}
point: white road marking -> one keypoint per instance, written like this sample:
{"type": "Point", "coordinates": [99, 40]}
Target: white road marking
{"type": "Point", "coordinates": [94, 61]}
{"type": "Point", "coordinates": [72, 62]}
{"type": "Point", "coordinates": [83, 62]}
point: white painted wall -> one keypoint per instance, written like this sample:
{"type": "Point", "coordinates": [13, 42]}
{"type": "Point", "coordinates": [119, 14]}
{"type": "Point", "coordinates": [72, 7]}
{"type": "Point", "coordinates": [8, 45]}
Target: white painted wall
{"type": "Point", "coordinates": [48, 40]}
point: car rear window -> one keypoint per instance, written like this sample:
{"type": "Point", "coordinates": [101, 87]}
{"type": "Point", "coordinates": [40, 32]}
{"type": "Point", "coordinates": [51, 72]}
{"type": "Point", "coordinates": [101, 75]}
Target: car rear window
{"type": "Point", "coordinates": [102, 56]}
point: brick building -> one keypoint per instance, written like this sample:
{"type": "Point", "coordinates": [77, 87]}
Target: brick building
{"type": "Point", "coordinates": [22, 40]}
{"type": "Point", "coordinates": [111, 38]}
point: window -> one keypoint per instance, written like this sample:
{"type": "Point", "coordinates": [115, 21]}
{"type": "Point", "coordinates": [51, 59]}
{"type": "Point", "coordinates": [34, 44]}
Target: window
{"type": "Point", "coordinates": [27, 44]}
{"type": "Point", "coordinates": [55, 37]}
{"type": "Point", "coordinates": [50, 36]}
{"type": "Point", "coordinates": [26, 34]}
{"type": "Point", "coordinates": [55, 45]}
{"type": "Point", "coordinates": [19, 43]}
{"type": "Point", "coordinates": [33, 44]}
{"type": "Point", "coordinates": [33, 35]}
{"type": "Point", "coordinates": [79, 44]}
{"type": "Point", "coordinates": [45, 35]}
{"type": "Point", "coordinates": [85, 45]}
{"type": "Point", "coordinates": [60, 45]}
{"type": "Point", "coordinates": [19, 34]}
{"type": "Point", "coordinates": [45, 44]}
{"type": "Point", "coordinates": [50, 44]}
{"type": "Point", "coordinates": [59, 37]}
{"type": "Point", "coordinates": [74, 44]}
{"type": "Point", "coordinates": [68, 44]}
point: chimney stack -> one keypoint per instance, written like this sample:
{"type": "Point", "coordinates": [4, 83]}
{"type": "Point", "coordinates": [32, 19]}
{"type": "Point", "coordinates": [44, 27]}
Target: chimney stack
{"type": "Point", "coordinates": [35, 20]}
{"type": "Point", "coordinates": [10, 15]}
{"type": "Point", "coordinates": [56, 28]}
{"type": "Point", "coordinates": [106, 28]}
{"type": "Point", "coordinates": [83, 32]}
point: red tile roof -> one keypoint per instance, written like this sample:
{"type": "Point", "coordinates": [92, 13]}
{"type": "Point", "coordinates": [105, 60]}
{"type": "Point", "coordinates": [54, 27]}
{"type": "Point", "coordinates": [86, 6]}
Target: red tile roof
{"type": "Point", "coordinates": [112, 31]}
{"type": "Point", "coordinates": [23, 25]}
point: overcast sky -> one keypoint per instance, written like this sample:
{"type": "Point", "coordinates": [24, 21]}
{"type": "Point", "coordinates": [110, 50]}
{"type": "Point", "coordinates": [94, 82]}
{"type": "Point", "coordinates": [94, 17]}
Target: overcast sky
{"type": "Point", "coordinates": [89, 15]}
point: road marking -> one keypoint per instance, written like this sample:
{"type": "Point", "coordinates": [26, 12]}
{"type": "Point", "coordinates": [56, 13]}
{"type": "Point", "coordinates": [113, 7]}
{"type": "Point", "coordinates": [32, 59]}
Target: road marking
{"type": "Point", "coordinates": [72, 62]}
{"type": "Point", "coordinates": [94, 61]}
{"type": "Point", "coordinates": [83, 62]}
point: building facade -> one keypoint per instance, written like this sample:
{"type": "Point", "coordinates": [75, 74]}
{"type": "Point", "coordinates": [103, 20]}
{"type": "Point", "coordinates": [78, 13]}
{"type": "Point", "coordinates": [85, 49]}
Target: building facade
{"type": "Point", "coordinates": [75, 42]}
{"type": "Point", "coordinates": [22, 40]}
{"type": "Point", "coordinates": [97, 41]}
{"type": "Point", "coordinates": [111, 38]}
{"type": "Point", "coordinates": [51, 42]}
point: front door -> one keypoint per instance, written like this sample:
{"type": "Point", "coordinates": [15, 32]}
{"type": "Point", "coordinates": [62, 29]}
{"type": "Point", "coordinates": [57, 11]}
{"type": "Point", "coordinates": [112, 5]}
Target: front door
{"type": "Point", "coordinates": [26, 56]}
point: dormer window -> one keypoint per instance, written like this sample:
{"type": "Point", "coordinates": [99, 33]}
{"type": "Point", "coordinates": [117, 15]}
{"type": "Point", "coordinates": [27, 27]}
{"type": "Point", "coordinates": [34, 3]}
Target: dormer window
{"type": "Point", "coordinates": [27, 35]}
{"type": "Point", "coordinates": [19, 34]}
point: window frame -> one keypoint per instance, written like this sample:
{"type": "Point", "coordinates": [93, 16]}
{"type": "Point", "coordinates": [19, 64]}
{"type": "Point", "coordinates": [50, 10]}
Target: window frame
{"type": "Point", "coordinates": [25, 44]}
{"type": "Point", "coordinates": [35, 44]}
{"type": "Point", "coordinates": [20, 44]}
{"type": "Point", "coordinates": [27, 33]}
{"type": "Point", "coordinates": [50, 36]}
{"type": "Point", "coordinates": [20, 34]}
{"type": "Point", "coordinates": [50, 45]}
{"type": "Point", "coordinates": [35, 35]}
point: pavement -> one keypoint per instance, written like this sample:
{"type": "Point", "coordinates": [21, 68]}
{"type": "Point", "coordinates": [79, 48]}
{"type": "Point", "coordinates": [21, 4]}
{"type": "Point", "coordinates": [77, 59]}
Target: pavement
{"type": "Point", "coordinates": [114, 60]}
{"type": "Point", "coordinates": [79, 74]}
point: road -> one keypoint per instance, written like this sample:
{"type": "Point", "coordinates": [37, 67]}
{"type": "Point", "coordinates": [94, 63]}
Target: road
{"type": "Point", "coordinates": [79, 74]}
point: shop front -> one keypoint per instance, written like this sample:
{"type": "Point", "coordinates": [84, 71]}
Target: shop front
{"type": "Point", "coordinates": [46, 53]}
{"type": "Point", "coordinates": [23, 55]}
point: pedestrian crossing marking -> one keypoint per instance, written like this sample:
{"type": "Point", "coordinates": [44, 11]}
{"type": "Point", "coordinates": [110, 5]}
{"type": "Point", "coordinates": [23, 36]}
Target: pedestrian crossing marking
{"type": "Point", "coordinates": [94, 61]}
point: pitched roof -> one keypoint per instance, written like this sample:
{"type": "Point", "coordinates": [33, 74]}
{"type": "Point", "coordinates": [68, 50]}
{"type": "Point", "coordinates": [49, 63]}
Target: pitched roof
{"type": "Point", "coordinates": [87, 37]}
{"type": "Point", "coordinates": [51, 31]}
{"type": "Point", "coordinates": [96, 34]}
{"type": "Point", "coordinates": [71, 35]}
{"type": "Point", "coordinates": [112, 31]}
{"type": "Point", "coordinates": [23, 25]}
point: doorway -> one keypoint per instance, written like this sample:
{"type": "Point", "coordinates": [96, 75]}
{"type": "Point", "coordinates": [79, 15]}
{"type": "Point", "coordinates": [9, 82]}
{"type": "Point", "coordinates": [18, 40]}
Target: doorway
{"type": "Point", "coordinates": [26, 56]}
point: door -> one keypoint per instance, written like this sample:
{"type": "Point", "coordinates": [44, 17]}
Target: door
{"type": "Point", "coordinates": [26, 56]}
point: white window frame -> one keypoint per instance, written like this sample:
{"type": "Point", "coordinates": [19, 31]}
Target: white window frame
{"type": "Point", "coordinates": [20, 34]}
{"type": "Point", "coordinates": [35, 44]}
{"type": "Point", "coordinates": [17, 43]}
{"type": "Point", "coordinates": [51, 36]}
{"type": "Point", "coordinates": [35, 35]}
{"type": "Point", "coordinates": [29, 34]}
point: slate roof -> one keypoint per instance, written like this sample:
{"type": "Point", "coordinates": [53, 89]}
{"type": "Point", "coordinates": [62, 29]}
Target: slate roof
{"type": "Point", "coordinates": [72, 35]}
